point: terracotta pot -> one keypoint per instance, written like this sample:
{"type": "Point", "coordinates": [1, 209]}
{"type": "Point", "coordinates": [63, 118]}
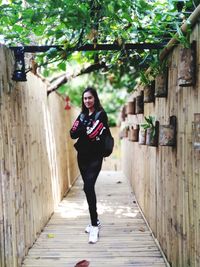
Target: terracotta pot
{"type": "Point", "coordinates": [167, 133]}
{"type": "Point", "coordinates": [139, 103]}
{"type": "Point", "coordinates": [186, 68]}
{"type": "Point", "coordinates": [149, 93]}
{"type": "Point", "coordinates": [131, 107]}
{"type": "Point", "coordinates": [142, 136]}
{"type": "Point", "coordinates": [161, 85]}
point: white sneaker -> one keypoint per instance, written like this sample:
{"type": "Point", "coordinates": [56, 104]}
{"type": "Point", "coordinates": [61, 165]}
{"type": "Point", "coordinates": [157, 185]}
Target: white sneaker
{"type": "Point", "coordinates": [87, 229]}
{"type": "Point", "coordinates": [94, 234]}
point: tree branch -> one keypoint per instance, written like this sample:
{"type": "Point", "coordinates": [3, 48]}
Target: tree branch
{"type": "Point", "coordinates": [64, 79]}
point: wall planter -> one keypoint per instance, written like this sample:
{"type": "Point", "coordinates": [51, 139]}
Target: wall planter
{"type": "Point", "coordinates": [161, 84]}
{"type": "Point", "coordinates": [167, 133]}
{"type": "Point", "coordinates": [139, 103]}
{"type": "Point", "coordinates": [151, 127]}
{"type": "Point", "coordinates": [149, 92]}
{"type": "Point", "coordinates": [187, 63]}
{"type": "Point", "coordinates": [142, 136]}
{"type": "Point", "coordinates": [133, 133]}
{"type": "Point", "coordinates": [131, 107]}
{"type": "Point", "coordinates": [152, 135]}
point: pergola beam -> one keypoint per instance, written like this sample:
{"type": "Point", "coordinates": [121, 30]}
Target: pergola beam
{"type": "Point", "coordinates": [91, 47]}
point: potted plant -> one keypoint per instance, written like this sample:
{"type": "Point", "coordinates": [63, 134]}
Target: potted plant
{"type": "Point", "coordinates": [133, 133]}
{"type": "Point", "coordinates": [149, 87]}
{"type": "Point", "coordinates": [167, 133]}
{"type": "Point", "coordinates": [131, 106]}
{"type": "Point", "coordinates": [139, 103]}
{"type": "Point", "coordinates": [151, 127]}
{"type": "Point", "coordinates": [142, 136]}
{"type": "Point", "coordinates": [187, 58]}
{"type": "Point", "coordinates": [159, 70]}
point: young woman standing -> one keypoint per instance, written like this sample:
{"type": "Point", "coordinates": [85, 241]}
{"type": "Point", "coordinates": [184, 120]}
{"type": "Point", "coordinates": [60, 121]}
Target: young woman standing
{"type": "Point", "coordinates": [90, 130]}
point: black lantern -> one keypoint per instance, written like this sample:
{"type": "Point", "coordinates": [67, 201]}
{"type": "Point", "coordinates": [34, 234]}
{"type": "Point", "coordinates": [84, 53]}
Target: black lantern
{"type": "Point", "coordinates": [19, 71]}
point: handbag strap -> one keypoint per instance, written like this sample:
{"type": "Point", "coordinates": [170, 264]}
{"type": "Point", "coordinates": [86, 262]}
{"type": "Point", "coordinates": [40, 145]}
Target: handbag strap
{"type": "Point", "coordinates": [107, 126]}
{"type": "Point", "coordinates": [97, 115]}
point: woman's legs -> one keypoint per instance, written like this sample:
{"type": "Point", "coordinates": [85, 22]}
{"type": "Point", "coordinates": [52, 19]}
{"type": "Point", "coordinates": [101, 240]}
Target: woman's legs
{"type": "Point", "coordinates": [90, 168]}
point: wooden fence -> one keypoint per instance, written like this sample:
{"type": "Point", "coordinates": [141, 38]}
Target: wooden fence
{"type": "Point", "coordinates": [37, 160]}
{"type": "Point", "coordinates": [166, 180]}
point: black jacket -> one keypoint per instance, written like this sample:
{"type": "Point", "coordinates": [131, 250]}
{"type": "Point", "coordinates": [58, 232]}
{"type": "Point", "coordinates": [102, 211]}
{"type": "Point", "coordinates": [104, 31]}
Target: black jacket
{"type": "Point", "coordinates": [90, 132]}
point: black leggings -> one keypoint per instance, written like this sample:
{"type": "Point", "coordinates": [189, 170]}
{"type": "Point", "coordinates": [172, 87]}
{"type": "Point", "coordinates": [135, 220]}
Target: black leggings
{"type": "Point", "coordinates": [89, 169]}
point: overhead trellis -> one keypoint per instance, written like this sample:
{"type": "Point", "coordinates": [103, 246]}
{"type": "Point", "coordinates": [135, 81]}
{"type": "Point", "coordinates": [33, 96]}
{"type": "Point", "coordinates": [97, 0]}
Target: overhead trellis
{"type": "Point", "coordinates": [133, 30]}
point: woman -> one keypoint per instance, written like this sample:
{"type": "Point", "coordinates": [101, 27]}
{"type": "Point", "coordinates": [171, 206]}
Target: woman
{"type": "Point", "coordinates": [90, 128]}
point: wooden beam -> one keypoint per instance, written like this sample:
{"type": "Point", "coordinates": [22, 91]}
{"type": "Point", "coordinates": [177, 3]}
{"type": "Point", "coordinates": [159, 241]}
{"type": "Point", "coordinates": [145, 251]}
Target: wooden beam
{"type": "Point", "coordinates": [92, 47]}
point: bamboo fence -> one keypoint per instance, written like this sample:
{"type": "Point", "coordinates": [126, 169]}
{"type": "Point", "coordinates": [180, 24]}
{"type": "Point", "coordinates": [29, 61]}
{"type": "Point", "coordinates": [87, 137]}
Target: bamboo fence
{"type": "Point", "coordinates": [166, 180]}
{"type": "Point", "coordinates": [37, 160]}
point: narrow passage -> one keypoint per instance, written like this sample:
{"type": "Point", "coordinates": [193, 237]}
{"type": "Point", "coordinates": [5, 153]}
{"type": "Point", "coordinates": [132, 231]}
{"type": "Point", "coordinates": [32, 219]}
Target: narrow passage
{"type": "Point", "coordinates": [125, 239]}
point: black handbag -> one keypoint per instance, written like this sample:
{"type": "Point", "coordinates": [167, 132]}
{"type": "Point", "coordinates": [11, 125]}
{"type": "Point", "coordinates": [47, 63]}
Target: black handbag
{"type": "Point", "coordinates": [107, 143]}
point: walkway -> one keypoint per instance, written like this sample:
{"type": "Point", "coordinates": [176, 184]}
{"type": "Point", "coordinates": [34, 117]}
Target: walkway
{"type": "Point", "coordinates": [124, 240]}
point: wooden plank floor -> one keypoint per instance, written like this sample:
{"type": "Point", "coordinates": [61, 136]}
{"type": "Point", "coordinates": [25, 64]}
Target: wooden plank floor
{"type": "Point", "coordinates": [125, 239]}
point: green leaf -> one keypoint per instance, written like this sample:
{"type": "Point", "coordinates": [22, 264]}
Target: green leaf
{"type": "Point", "coordinates": [62, 66]}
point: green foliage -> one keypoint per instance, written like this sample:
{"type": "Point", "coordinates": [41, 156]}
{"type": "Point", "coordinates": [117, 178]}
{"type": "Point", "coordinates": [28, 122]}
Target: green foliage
{"type": "Point", "coordinates": [149, 124]}
{"type": "Point", "coordinates": [73, 23]}
{"type": "Point", "coordinates": [183, 39]}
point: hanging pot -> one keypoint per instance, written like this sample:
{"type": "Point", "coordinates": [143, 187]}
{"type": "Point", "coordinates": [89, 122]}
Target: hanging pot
{"type": "Point", "coordinates": [139, 103]}
{"type": "Point", "coordinates": [167, 133]}
{"type": "Point", "coordinates": [142, 136]}
{"type": "Point", "coordinates": [131, 107]}
{"type": "Point", "coordinates": [161, 84]}
{"type": "Point", "coordinates": [187, 66]}
{"type": "Point", "coordinates": [149, 93]}
{"type": "Point", "coordinates": [152, 138]}
{"type": "Point", "coordinates": [134, 133]}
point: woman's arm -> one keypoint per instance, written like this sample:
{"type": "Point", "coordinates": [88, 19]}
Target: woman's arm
{"type": "Point", "coordinates": [79, 127]}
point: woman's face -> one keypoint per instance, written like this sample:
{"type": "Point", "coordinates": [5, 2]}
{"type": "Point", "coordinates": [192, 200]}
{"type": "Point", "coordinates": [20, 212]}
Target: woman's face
{"type": "Point", "coordinates": [88, 100]}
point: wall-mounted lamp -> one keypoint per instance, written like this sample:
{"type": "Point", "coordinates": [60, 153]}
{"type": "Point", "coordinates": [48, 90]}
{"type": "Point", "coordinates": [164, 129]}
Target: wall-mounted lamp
{"type": "Point", "coordinates": [19, 73]}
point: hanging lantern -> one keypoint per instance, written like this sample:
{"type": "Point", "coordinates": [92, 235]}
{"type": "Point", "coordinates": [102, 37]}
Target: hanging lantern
{"type": "Point", "coordinates": [19, 71]}
{"type": "Point", "coordinates": [68, 106]}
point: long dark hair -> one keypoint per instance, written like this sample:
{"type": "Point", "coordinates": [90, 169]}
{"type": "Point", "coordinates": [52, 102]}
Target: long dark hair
{"type": "Point", "coordinates": [97, 104]}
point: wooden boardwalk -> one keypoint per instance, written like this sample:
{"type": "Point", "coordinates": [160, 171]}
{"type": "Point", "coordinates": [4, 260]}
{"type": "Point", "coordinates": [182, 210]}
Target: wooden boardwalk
{"type": "Point", "coordinates": [125, 239]}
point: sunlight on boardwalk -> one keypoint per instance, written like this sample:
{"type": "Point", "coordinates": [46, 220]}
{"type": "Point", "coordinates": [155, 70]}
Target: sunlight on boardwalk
{"type": "Point", "coordinates": [124, 237]}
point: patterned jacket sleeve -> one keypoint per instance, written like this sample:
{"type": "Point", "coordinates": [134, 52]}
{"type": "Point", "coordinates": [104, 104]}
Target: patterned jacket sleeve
{"type": "Point", "coordinates": [78, 128]}
{"type": "Point", "coordinates": [97, 130]}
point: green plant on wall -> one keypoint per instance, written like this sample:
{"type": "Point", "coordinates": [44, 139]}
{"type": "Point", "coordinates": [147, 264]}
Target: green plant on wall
{"type": "Point", "coordinates": [158, 67]}
{"type": "Point", "coordinates": [183, 39]}
{"type": "Point", "coordinates": [150, 123]}
{"type": "Point", "coordinates": [144, 78]}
